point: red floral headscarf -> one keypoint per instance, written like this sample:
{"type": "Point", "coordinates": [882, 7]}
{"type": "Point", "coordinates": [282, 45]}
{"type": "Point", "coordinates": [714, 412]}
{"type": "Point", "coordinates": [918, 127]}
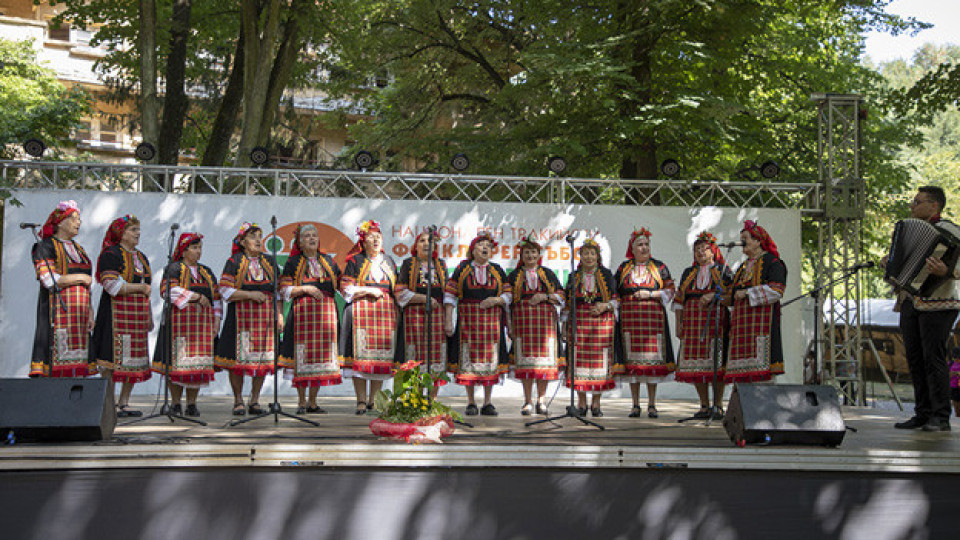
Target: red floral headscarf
{"type": "Point", "coordinates": [481, 236]}
{"type": "Point", "coordinates": [529, 243]}
{"type": "Point", "coordinates": [642, 231]}
{"type": "Point", "coordinates": [761, 234]}
{"type": "Point", "coordinates": [115, 230]}
{"type": "Point", "coordinates": [186, 240]}
{"type": "Point", "coordinates": [711, 241]}
{"type": "Point", "coordinates": [60, 213]}
{"type": "Point", "coordinates": [436, 240]}
{"type": "Point", "coordinates": [245, 229]}
{"type": "Point", "coordinates": [365, 228]}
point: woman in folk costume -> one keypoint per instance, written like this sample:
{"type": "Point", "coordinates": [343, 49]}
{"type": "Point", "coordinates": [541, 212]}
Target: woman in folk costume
{"type": "Point", "coordinates": [246, 344]}
{"type": "Point", "coordinates": [62, 263]}
{"type": "Point", "coordinates": [595, 360]}
{"type": "Point", "coordinates": [696, 306]}
{"type": "Point", "coordinates": [535, 297]}
{"type": "Point", "coordinates": [195, 312]}
{"type": "Point", "coordinates": [123, 319]}
{"type": "Point", "coordinates": [644, 287]}
{"type": "Point", "coordinates": [756, 352]}
{"type": "Point", "coordinates": [411, 292]}
{"type": "Point", "coordinates": [368, 342]}
{"type": "Point", "coordinates": [309, 347]}
{"type": "Point", "coordinates": [478, 353]}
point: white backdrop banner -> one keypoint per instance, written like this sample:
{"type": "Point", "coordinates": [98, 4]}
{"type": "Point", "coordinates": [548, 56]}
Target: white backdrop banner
{"type": "Point", "coordinates": [218, 217]}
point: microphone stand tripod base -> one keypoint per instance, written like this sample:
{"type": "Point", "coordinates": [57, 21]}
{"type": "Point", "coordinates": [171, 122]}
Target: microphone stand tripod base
{"type": "Point", "coordinates": [572, 412]}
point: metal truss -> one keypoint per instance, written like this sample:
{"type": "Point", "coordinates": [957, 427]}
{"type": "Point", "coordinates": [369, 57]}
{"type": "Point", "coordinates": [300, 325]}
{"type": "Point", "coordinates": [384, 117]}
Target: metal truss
{"type": "Point", "coordinates": [839, 238]}
{"type": "Point", "coordinates": [806, 197]}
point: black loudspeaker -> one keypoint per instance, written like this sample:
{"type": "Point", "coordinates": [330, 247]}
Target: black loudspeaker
{"type": "Point", "coordinates": [56, 409]}
{"type": "Point", "coordinates": [784, 414]}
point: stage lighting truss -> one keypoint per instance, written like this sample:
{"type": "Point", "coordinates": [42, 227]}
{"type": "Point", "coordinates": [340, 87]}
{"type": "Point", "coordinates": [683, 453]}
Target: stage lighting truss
{"type": "Point", "coordinates": [34, 147]}
{"type": "Point", "coordinates": [670, 168]}
{"type": "Point", "coordinates": [460, 162]}
{"type": "Point", "coordinates": [144, 151]}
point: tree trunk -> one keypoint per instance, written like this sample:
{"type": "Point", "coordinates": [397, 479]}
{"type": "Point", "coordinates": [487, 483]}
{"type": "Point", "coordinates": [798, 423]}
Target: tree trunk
{"type": "Point", "coordinates": [258, 65]}
{"type": "Point", "coordinates": [639, 152]}
{"type": "Point", "coordinates": [283, 65]}
{"type": "Point", "coordinates": [222, 132]}
{"type": "Point", "coordinates": [147, 44]}
{"type": "Point", "coordinates": [175, 102]}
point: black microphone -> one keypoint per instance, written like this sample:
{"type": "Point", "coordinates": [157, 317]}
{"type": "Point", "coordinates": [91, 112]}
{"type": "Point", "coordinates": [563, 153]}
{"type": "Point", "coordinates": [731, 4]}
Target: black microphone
{"type": "Point", "coordinates": [731, 244]}
{"type": "Point", "coordinates": [26, 225]}
{"type": "Point", "coordinates": [572, 235]}
{"type": "Point", "coordinates": [175, 226]}
{"type": "Point", "coordinates": [273, 221]}
{"type": "Point", "coordinates": [861, 266]}
{"type": "Point", "coordinates": [432, 229]}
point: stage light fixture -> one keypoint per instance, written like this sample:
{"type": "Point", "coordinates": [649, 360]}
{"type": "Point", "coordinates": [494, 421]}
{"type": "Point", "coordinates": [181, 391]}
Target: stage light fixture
{"type": "Point", "coordinates": [144, 151]}
{"type": "Point", "coordinates": [364, 160]}
{"type": "Point", "coordinates": [557, 165]}
{"type": "Point", "coordinates": [259, 155]}
{"type": "Point", "coordinates": [34, 147]}
{"type": "Point", "coordinates": [460, 162]}
{"type": "Point", "coordinates": [769, 169]}
{"type": "Point", "coordinates": [670, 168]}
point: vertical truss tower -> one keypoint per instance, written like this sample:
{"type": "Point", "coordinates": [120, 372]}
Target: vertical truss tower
{"type": "Point", "coordinates": [839, 239]}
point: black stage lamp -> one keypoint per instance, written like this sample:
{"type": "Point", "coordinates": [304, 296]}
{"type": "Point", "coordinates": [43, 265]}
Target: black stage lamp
{"type": "Point", "coordinates": [144, 151]}
{"type": "Point", "coordinates": [557, 165]}
{"type": "Point", "coordinates": [259, 155]}
{"type": "Point", "coordinates": [769, 169]}
{"type": "Point", "coordinates": [460, 162]}
{"type": "Point", "coordinates": [34, 147]}
{"type": "Point", "coordinates": [670, 168]}
{"type": "Point", "coordinates": [364, 160]}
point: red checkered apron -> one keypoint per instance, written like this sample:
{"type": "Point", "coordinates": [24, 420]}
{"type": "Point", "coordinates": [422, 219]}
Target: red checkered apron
{"type": "Point", "coordinates": [315, 354]}
{"type": "Point", "coordinates": [697, 343]}
{"type": "Point", "coordinates": [749, 358]}
{"type": "Point", "coordinates": [193, 333]}
{"type": "Point", "coordinates": [642, 323]}
{"type": "Point", "coordinates": [254, 338]}
{"type": "Point", "coordinates": [593, 354]}
{"type": "Point", "coordinates": [479, 344]}
{"type": "Point", "coordinates": [414, 321]}
{"type": "Point", "coordinates": [71, 340]}
{"type": "Point", "coordinates": [535, 344]}
{"type": "Point", "coordinates": [374, 334]}
{"type": "Point", "coordinates": [131, 324]}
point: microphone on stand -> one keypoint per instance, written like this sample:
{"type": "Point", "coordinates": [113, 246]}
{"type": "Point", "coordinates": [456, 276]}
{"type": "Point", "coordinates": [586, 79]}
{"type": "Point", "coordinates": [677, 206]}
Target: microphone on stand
{"type": "Point", "coordinates": [27, 225]}
{"type": "Point", "coordinates": [729, 245]}
{"type": "Point", "coordinates": [175, 226]}
{"type": "Point", "coordinates": [861, 266]}
{"type": "Point", "coordinates": [572, 235]}
{"type": "Point", "coordinates": [432, 229]}
{"type": "Point", "coordinates": [273, 221]}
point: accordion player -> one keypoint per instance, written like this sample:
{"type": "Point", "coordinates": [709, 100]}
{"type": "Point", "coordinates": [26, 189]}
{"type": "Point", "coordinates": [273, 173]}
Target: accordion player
{"type": "Point", "coordinates": [914, 240]}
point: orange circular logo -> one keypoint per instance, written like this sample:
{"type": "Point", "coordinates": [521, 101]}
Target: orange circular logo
{"type": "Point", "coordinates": [332, 241]}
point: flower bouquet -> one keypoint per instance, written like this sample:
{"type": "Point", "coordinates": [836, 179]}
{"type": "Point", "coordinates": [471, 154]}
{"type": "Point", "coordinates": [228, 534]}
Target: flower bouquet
{"type": "Point", "coordinates": [407, 413]}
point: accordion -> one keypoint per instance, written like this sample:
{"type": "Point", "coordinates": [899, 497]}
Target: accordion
{"type": "Point", "coordinates": [914, 240]}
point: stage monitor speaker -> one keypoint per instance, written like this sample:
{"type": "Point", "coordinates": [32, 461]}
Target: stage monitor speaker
{"type": "Point", "coordinates": [784, 414]}
{"type": "Point", "coordinates": [56, 409]}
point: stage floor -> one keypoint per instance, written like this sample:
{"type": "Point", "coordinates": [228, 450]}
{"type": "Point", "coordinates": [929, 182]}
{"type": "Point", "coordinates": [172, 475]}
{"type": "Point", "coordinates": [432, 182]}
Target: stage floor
{"type": "Point", "coordinates": [344, 440]}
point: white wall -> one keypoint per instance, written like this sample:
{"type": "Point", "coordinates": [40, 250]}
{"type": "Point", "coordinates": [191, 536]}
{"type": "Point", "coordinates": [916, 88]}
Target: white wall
{"type": "Point", "coordinates": [219, 216]}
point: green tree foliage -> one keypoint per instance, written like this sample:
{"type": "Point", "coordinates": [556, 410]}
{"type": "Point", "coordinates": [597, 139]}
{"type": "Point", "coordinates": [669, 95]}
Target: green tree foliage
{"type": "Point", "coordinates": [209, 66]}
{"type": "Point", "coordinates": [33, 103]}
{"type": "Point", "coordinates": [613, 86]}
